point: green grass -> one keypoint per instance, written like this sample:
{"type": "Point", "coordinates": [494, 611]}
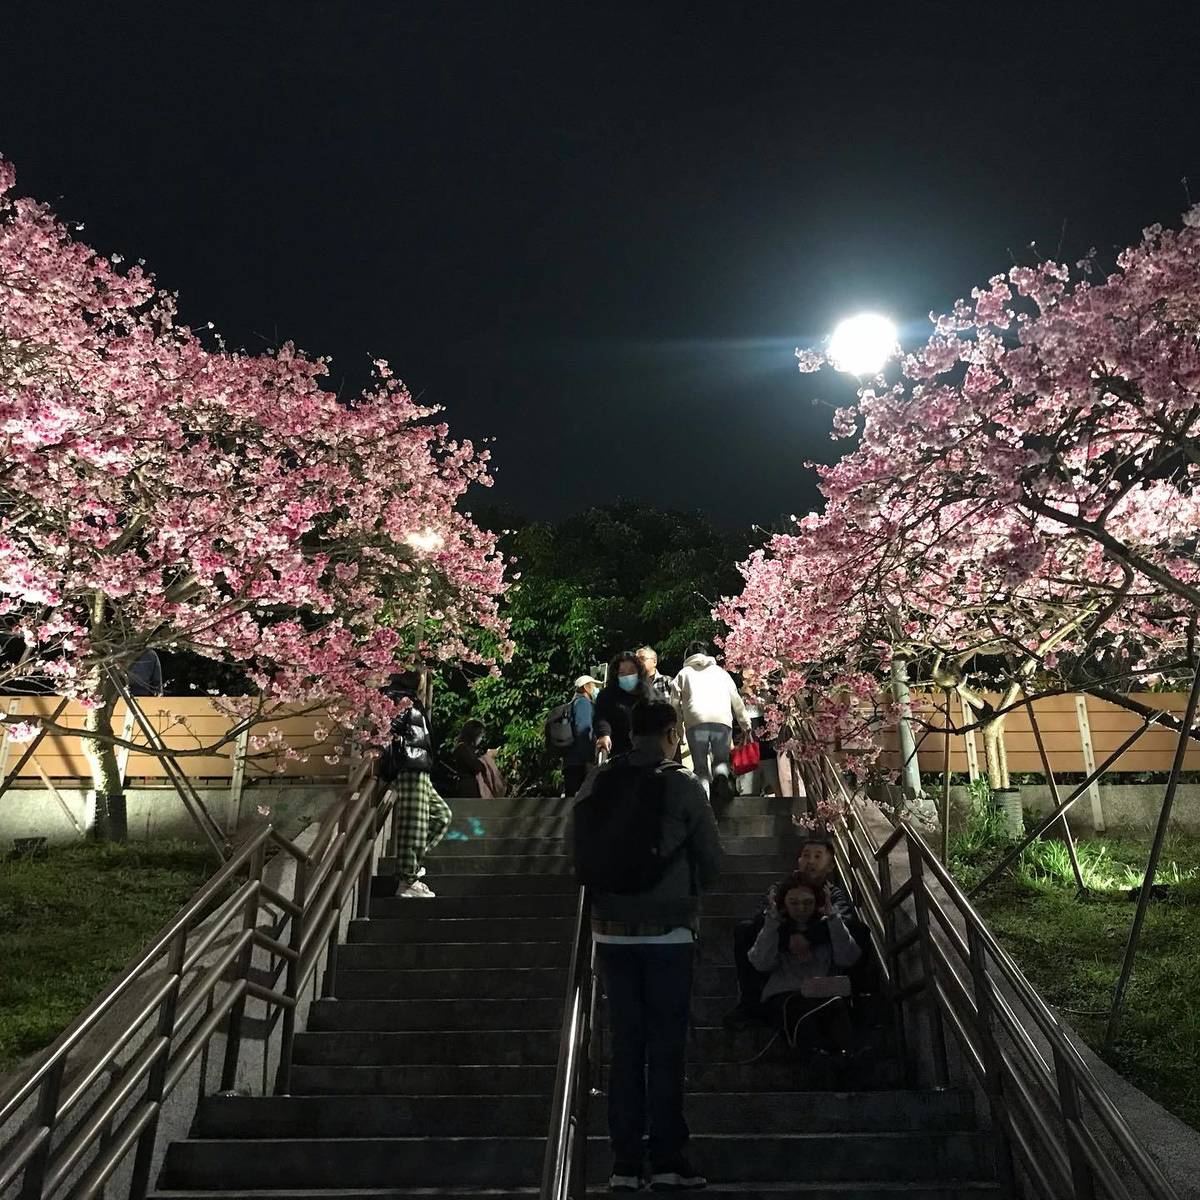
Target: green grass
{"type": "Point", "coordinates": [1071, 950]}
{"type": "Point", "coordinates": [72, 922]}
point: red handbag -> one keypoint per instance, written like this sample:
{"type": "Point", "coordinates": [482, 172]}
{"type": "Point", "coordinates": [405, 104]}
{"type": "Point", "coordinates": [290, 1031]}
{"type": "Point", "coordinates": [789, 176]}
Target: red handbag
{"type": "Point", "coordinates": [745, 758]}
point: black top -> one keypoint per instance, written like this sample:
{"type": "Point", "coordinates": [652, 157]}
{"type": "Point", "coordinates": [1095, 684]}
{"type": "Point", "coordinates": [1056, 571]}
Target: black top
{"type": "Point", "coordinates": [411, 749]}
{"type": "Point", "coordinates": [613, 715]}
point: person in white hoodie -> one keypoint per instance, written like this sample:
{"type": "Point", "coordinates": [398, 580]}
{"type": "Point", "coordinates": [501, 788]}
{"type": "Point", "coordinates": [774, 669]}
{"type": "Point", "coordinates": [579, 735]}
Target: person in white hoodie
{"type": "Point", "coordinates": [708, 703]}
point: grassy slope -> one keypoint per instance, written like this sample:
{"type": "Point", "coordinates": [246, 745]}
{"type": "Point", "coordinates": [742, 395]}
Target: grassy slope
{"type": "Point", "coordinates": [70, 923]}
{"type": "Point", "coordinates": [1071, 950]}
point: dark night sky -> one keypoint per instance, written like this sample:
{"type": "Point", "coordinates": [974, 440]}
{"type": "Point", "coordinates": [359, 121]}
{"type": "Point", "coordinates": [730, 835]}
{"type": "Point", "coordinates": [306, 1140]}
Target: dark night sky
{"type": "Point", "coordinates": [598, 231]}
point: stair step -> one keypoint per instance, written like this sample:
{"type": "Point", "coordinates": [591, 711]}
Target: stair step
{"type": "Point", "coordinates": [407, 930]}
{"type": "Point", "coordinates": [509, 1047]}
{"type": "Point", "coordinates": [531, 850]}
{"type": "Point", "coordinates": [493, 983]}
{"type": "Point", "coordinates": [422, 1080]}
{"type": "Point", "coordinates": [850, 1190]}
{"type": "Point", "coordinates": [490, 983]}
{"type": "Point", "coordinates": [558, 806]}
{"type": "Point", "coordinates": [386, 908]}
{"type": "Point", "coordinates": [394, 956]}
{"type": "Point", "coordinates": [470, 828]}
{"type": "Point", "coordinates": [236, 1117]}
{"type": "Point", "coordinates": [517, 1161]}
{"type": "Point", "coordinates": [446, 1015]}
{"type": "Point", "coordinates": [465, 877]}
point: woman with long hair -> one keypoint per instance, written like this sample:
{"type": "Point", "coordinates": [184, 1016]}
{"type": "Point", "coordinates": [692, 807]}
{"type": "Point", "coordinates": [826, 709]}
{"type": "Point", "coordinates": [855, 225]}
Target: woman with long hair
{"type": "Point", "coordinates": [612, 720]}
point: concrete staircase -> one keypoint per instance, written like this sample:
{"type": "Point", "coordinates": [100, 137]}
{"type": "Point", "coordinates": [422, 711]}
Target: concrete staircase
{"type": "Point", "coordinates": [432, 1070]}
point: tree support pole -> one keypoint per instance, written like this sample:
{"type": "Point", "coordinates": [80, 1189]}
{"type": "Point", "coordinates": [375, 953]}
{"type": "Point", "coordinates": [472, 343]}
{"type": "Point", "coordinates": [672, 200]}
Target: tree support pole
{"type": "Point", "coordinates": [1050, 819]}
{"type": "Point", "coordinates": [1160, 836]}
{"type": "Point", "coordinates": [946, 786]}
{"type": "Point", "coordinates": [1066, 829]}
{"type": "Point", "coordinates": [908, 747]}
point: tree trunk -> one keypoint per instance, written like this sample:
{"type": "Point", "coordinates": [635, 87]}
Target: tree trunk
{"type": "Point", "coordinates": [994, 753]}
{"type": "Point", "coordinates": [111, 819]}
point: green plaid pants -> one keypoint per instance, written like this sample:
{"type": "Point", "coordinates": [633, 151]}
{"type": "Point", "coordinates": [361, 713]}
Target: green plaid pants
{"type": "Point", "coordinates": [419, 822]}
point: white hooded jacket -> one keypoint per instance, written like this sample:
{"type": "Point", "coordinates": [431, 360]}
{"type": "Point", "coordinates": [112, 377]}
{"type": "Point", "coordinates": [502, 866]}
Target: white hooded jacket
{"type": "Point", "coordinates": [705, 694]}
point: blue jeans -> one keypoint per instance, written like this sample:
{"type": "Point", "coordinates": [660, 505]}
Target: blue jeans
{"type": "Point", "coordinates": [710, 745]}
{"type": "Point", "coordinates": [649, 989]}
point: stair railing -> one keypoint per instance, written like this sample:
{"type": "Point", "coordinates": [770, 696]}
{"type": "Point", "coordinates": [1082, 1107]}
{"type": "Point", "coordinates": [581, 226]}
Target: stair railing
{"type": "Point", "coordinates": [564, 1169]}
{"type": "Point", "coordinates": [67, 1127]}
{"type": "Point", "coordinates": [1049, 1113]}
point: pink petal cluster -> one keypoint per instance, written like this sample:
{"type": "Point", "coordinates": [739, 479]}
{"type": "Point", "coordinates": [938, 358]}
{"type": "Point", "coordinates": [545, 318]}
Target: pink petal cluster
{"type": "Point", "coordinates": [159, 492]}
{"type": "Point", "coordinates": [1023, 505]}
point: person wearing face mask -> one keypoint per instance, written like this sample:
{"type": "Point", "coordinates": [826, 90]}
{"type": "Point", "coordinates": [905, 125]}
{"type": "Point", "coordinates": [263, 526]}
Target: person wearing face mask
{"type": "Point", "coordinates": [578, 757]}
{"type": "Point", "coordinates": [791, 952]}
{"type": "Point", "coordinates": [612, 720]}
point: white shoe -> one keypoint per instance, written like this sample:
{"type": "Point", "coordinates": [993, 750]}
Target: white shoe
{"type": "Point", "coordinates": [417, 891]}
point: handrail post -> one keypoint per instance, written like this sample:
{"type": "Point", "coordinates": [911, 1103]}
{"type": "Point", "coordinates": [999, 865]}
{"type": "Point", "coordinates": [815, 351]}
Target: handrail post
{"type": "Point", "coordinates": [884, 868]}
{"type": "Point", "coordinates": [156, 1082]}
{"type": "Point", "coordinates": [329, 980]}
{"type": "Point", "coordinates": [283, 1079]}
{"type": "Point", "coordinates": [1083, 1182]}
{"type": "Point", "coordinates": [45, 1116]}
{"type": "Point", "coordinates": [992, 1062]}
{"type": "Point", "coordinates": [937, 1030]}
{"type": "Point", "coordinates": [245, 962]}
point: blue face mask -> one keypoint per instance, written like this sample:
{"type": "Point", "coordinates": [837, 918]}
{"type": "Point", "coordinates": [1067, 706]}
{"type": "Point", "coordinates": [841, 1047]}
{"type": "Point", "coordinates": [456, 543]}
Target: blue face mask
{"type": "Point", "coordinates": [627, 683]}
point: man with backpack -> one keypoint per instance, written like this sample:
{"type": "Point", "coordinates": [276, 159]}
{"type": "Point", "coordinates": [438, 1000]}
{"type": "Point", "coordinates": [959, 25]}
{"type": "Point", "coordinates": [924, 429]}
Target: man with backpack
{"type": "Point", "coordinates": [569, 733]}
{"type": "Point", "coordinates": [646, 845]}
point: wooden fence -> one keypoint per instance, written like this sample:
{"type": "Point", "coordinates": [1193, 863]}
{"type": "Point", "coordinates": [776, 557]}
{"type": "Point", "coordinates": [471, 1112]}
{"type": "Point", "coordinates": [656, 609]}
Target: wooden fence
{"type": "Point", "coordinates": [183, 723]}
{"type": "Point", "coordinates": [1079, 733]}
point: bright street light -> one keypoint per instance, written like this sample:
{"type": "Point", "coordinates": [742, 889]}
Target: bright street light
{"type": "Point", "coordinates": [426, 542]}
{"type": "Point", "coordinates": [863, 344]}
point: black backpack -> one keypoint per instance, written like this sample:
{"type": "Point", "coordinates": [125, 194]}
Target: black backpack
{"type": "Point", "coordinates": [618, 829]}
{"type": "Point", "coordinates": [560, 727]}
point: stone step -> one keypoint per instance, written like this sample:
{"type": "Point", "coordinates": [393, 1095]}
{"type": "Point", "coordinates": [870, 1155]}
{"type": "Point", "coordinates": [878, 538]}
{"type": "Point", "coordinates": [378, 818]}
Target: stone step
{"type": "Point", "coordinates": [851, 1190]}
{"type": "Point", "coordinates": [492, 983]}
{"type": "Point", "coordinates": [422, 1080]}
{"type": "Point", "coordinates": [474, 877]}
{"type": "Point", "coordinates": [453, 956]}
{"type": "Point", "coordinates": [707, 1046]}
{"type": "Point", "coordinates": [559, 806]}
{"type": "Point", "coordinates": [506, 1047]}
{"type": "Point", "coordinates": [456, 1116]}
{"type": "Point", "coordinates": [447, 1015]}
{"type": "Point", "coordinates": [517, 1161]}
{"type": "Point", "coordinates": [506, 929]}
{"type": "Point", "coordinates": [564, 904]}
{"type": "Point", "coordinates": [470, 828]}
{"type": "Point", "coordinates": [526, 848]}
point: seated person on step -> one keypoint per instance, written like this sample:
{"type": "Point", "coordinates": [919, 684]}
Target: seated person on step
{"type": "Point", "coordinates": [814, 866]}
{"type": "Point", "coordinates": [805, 949]}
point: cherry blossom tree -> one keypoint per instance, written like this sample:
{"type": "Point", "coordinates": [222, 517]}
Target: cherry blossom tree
{"type": "Point", "coordinates": [158, 490]}
{"type": "Point", "coordinates": [1021, 507]}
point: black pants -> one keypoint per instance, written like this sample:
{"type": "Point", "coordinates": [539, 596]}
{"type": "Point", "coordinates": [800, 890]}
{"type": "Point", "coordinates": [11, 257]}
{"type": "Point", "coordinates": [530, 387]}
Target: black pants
{"type": "Point", "coordinates": [573, 778]}
{"type": "Point", "coordinates": [649, 989]}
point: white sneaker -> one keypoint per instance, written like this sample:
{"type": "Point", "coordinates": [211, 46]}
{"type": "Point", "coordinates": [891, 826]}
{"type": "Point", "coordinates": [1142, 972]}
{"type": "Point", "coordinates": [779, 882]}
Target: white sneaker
{"type": "Point", "coordinates": [417, 891]}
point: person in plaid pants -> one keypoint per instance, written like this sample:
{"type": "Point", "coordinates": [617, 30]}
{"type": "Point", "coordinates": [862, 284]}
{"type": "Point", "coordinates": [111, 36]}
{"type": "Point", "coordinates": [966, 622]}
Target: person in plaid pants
{"type": "Point", "coordinates": [421, 817]}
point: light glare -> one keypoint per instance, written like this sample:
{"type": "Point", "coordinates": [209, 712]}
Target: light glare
{"type": "Point", "coordinates": [863, 344]}
{"type": "Point", "coordinates": [428, 541]}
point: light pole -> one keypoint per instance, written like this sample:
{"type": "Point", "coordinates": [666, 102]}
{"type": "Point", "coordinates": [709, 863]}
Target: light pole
{"type": "Point", "coordinates": [427, 542]}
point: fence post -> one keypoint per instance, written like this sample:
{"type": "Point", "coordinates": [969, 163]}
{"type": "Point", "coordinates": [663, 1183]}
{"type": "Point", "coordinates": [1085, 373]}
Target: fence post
{"type": "Point", "coordinates": [992, 1060]}
{"type": "Point", "coordinates": [1089, 761]}
{"type": "Point", "coordinates": [242, 969]}
{"type": "Point", "coordinates": [156, 1082]}
{"type": "Point", "coordinates": [937, 1032]}
{"type": "Point", "coordinates": [1083, 1182]}
{"type": "Point", "coordinates": [283, 1079]}
{"type": "Point", "coordinates": [13, 707]}
{"type": "Point", "coordinates": [45, 1116]}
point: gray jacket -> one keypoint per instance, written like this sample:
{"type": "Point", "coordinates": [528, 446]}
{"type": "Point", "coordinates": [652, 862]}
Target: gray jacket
{"type": "Point", "coordinates": [688, 822]}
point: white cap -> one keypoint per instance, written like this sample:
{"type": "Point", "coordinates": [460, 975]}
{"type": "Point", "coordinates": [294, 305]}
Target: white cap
{"type": "Point", "coordinates": [586, 679]}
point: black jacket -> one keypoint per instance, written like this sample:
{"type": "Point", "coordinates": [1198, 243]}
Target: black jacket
{"type": "Point", "coordinates": [613, 715]}
{"type": "Point", "coordinates": [411, 748]}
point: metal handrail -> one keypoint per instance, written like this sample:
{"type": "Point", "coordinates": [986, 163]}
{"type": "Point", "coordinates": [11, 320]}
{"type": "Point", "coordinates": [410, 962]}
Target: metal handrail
{"type": "Point", "coordinates": [564, 1169]}
{"type": "Point", "coordinates": [971, 984]}
{"type": "Point", "coordinates": [199, 982]}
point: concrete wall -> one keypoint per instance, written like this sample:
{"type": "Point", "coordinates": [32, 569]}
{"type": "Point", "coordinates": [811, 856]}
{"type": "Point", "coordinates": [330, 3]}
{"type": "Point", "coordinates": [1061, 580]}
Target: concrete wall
{"type": "Point", "coordinates": [158, 812]}
{"type": "Point", "coordinates": [1126, 807]}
